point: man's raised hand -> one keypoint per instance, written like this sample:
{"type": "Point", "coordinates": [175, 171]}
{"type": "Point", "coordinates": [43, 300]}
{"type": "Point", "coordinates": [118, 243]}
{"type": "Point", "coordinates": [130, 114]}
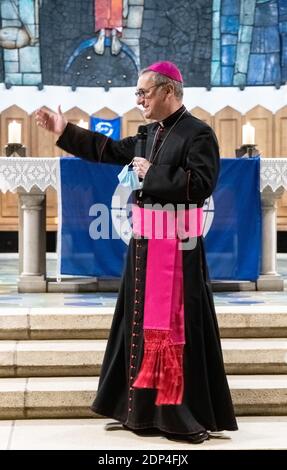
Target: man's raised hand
{"type": "Point", "coordinates": [51, 121]}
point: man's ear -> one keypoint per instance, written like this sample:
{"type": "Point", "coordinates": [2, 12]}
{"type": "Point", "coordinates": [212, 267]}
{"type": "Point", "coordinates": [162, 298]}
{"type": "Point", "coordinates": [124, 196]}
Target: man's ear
{"type": "Point", "coordinates": [169, 88]}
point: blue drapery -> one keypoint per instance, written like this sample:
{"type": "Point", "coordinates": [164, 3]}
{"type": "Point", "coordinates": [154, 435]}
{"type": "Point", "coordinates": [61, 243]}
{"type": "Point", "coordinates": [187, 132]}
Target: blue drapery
{"type": "Point", "coordinates": [233, 242]}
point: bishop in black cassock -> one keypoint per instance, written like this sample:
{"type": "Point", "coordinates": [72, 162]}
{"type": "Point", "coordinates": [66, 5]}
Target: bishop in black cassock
{"type": "Point", "coordinates": [181, 166]}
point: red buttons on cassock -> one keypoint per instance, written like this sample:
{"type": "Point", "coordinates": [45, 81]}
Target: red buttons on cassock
{"type": "Point", "coordinates": [135, 324]}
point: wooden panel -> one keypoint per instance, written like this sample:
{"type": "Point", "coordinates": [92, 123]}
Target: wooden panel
{"type": "Point", "coordinates": [43, 144]}
{"type": "Point", "coordinates": [228, 128]}
{"type": "Point", "coordinates": [280, 120]}
{"type": "Point", "coordinates": [203, 115]}
{"type": "Point", "coordinates": [282, 213]}
{"type": "Point", "coordinates": [42, 141]}
{"type": "Point", "coordinates": [105, 113]}
{"type": "Point", "coordinates": [52, 209]}
{"type": "Point", "coordinates": [280, 130]}
{"type": "Point", "coordinates": [262, 120]}
{"type": "Point", "coordinates": [131, 121]}
{"type": "Point", "coordinates": [9, 205]}
{"type": "Point", "coordinates": [20, 116]}
{"type": "Point", "coordinates": [8, 212]}
{"type": "Point", "coordinates": [73, 115]}
{"type": "Point", "coordinates": [9, 201]}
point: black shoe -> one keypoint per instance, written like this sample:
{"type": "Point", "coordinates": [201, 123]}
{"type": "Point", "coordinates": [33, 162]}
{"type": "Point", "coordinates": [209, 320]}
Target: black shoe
{"type": "Point", "coordinates": [196, 438]}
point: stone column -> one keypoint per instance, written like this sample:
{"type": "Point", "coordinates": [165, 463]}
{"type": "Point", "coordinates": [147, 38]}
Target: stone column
{"type": "Point", "coordinates": [269, 279]}
{"type": "Point", "coordinates": [32, 241]}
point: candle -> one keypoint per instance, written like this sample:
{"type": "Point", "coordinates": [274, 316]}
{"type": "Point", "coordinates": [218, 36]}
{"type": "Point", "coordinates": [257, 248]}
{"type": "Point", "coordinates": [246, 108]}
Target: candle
{"type": "Point", "coordinates": [248, 134]}
{"type": "Point", "coordinates": [83, 124]}
{"type": "Point", "coordinates": [14, 132]}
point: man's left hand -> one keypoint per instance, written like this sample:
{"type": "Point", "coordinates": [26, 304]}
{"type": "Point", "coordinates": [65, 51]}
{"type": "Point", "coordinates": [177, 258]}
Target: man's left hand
{"type": "Point", "coordinates": [141, 166]}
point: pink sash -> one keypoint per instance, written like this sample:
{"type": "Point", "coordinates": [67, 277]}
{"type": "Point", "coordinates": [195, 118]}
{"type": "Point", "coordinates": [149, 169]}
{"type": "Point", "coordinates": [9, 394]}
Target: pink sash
{"type": "Point", "coordinates": [164, 336]}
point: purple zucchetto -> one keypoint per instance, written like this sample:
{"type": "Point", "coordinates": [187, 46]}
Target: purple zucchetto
{"type": "Point", "coordinates": [168, 69]}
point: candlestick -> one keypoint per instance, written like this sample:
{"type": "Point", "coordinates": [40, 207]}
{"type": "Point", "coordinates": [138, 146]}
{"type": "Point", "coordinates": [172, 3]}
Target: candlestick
{"type": "Point", "coordinates": [15, 150]}
{"type": "Point", "coordinates": [14, 132]}
{"type": "Point", "coordinates": [248, 134]}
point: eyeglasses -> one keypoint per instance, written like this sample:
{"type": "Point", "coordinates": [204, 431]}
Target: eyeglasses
{"type": "Point", "coordinates": [141, 93]}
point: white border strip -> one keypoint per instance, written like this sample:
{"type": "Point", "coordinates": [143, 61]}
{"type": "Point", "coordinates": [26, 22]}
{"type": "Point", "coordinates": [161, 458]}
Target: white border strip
{"type": "Point", "coordinates": [122, 100]}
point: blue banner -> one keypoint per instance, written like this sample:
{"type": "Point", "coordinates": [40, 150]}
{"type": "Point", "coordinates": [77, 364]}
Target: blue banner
{"type": "Point", "coordinates": [233, 243]}
{"type": "Point", "coordinates": [109, 127]}
{"type": "Point", "coordinates": [95, 223]}
{"type": "Point", "coordinates": [89, 242]}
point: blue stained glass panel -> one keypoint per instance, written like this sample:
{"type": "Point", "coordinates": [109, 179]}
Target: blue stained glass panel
{"type": "Point", "coordinates": [283, 27]}
{"type": "Point", "coordinates": [272, 69]}
{"type": "Point", "coordinates": [284, 50]}
{"type": "Point", "coordinates": [215, 73]}
{"type": "Point", "coordinates": [256, 69]}
{"type": "Point", "coordinates": [266, 14]}
{"type": "Point", "coordinates": [216, 50]}
{"type": "Point", "coordinates": [27, 12]}
{"type": "Point", "coordinates": [228, 55]}
{"type": "Point", "coordinates": [258, 50]}
{"type": "Point", "coordinates": [266, 39]}
{"type": "Point", "coordinates": [245, 33]}
{"type": "Point", "coordinates": [272, 39]}
{"type": "Point", "coordinates": [230, 7]}
{"type": "Point", "coordinates": [227, 75]}
{"type": "Point", "coordinates": [282, 7]}
{"type": "Point", "coordinates": [229, 24]}
{"type": "Point", "coordinates": [216, 5]}
{"type": "Point", "coordinates": [228, 39]}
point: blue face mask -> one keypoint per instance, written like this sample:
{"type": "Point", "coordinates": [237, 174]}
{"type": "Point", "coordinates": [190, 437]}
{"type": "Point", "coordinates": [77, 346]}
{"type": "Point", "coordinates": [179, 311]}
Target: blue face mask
{"type": "Point", "coordinates": [128, 177]}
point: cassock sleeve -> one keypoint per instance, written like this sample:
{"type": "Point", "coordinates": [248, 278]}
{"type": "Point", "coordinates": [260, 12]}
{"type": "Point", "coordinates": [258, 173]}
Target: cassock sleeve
{"type": "Point", "coordinates": [96, 147]}
{"type": "Point", "coordinates": [192, 183]}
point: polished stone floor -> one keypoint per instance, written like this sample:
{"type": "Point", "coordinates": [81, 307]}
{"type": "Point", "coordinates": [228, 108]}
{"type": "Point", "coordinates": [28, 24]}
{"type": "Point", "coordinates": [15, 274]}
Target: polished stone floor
{"type": "Point", "coordinates": [9, 296]}
{"type": "Point", "coordinates": [255, 432]}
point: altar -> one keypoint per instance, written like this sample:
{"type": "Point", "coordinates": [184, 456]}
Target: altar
{"type": "Point", "coordinates": [31, 177]}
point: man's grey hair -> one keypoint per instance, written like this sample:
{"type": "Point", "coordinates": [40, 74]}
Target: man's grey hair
{"type": "Point", "coordinates": [160, 79]}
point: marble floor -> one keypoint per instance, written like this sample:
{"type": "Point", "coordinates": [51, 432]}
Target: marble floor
{"type": "Point", "coordinates": [255, 433]}
{"type": "Point", "coordinates": [9, 296]}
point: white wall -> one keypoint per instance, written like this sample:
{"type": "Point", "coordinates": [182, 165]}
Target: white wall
{"type": "Point", "coordinates": [121, 100]}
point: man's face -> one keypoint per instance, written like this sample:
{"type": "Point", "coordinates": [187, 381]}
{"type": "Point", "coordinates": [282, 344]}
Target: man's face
{"type": "Point", "coordinates": [152, 97]}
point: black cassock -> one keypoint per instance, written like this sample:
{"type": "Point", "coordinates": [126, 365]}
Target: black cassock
{"type": "Point", "coordinates": [184, 171]}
